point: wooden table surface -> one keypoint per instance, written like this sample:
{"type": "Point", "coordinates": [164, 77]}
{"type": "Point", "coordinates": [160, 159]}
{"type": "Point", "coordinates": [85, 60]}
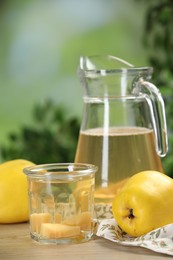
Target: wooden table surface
{"type": "Point", "coordinates": [15, 243]}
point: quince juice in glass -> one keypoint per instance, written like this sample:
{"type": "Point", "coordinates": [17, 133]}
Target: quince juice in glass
{"type": "Point", "coordinates": [116, 156]}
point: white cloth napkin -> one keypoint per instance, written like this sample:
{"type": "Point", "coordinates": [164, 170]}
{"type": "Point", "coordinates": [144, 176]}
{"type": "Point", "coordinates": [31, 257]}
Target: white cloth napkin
{"type": "Point", "coordinates": [159, 240]}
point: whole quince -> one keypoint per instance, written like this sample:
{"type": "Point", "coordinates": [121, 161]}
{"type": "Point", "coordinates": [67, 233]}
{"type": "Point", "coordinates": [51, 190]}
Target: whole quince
{"type": "Point", "coordinates": [13, 191]}
{"type": "Point", "coordinates": [144, 203]}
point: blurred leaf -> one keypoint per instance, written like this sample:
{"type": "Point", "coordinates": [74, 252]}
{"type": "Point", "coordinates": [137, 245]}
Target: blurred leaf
{"type": "Point", "coordinates": [51, 138]}
{"type": "Point", "coordinates": [158, 39]}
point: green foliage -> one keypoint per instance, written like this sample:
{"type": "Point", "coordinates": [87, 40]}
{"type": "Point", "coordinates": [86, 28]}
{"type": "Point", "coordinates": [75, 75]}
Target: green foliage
{"type": "Point", "coordinates": [158, 39]}
{"type": "Point", "coordinates": [51, 138]}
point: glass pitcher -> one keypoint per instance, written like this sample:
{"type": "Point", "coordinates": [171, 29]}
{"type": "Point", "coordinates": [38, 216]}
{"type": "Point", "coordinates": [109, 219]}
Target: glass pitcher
{"type": "Point", "coordinates": [123, 129]}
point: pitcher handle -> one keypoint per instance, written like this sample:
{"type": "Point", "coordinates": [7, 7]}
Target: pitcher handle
{"type": "Point", "coordinates": [159, 119]}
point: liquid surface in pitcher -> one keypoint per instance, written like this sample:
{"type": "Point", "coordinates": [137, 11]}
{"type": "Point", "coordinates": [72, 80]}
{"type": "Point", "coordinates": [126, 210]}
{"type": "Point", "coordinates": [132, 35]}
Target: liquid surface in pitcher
{"type": "Point", "coordinates": [120, 153]}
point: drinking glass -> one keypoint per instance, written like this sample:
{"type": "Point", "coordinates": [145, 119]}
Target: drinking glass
{"type": "Point", "coordinates": [61, 202]}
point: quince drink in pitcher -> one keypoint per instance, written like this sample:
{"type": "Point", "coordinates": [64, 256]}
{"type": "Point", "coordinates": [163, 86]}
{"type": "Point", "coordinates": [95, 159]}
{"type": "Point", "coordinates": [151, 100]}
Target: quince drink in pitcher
{"type": "Point", "coordinates": [123, 130]}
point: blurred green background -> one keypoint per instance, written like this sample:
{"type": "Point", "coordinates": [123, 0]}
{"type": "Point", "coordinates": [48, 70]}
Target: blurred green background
{"type": "Point", "coordinates": [41, 42]}
{"type": "Point", "coordinates": [40, 46]}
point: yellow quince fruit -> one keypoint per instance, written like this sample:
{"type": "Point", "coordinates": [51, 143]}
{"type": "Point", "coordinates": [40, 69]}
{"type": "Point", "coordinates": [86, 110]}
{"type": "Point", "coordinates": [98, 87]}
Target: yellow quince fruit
{"type": "Point", "coordinates": [144, 203]}
{"type": "Point", "coordinates": [13, 191]}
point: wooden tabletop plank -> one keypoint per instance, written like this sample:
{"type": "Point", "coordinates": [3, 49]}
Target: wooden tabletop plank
{"type": "Point", "coordinates": [16, 244]}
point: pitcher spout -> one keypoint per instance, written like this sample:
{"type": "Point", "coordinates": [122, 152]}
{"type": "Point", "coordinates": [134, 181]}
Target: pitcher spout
{"type": "Point", "coordinates": [103, 63]}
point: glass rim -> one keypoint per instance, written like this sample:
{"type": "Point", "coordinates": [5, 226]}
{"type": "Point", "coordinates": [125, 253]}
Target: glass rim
{"type": "Point", "coordinates": [106, 72]}
{"type": "Point", "coordinates": [60, 171]}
